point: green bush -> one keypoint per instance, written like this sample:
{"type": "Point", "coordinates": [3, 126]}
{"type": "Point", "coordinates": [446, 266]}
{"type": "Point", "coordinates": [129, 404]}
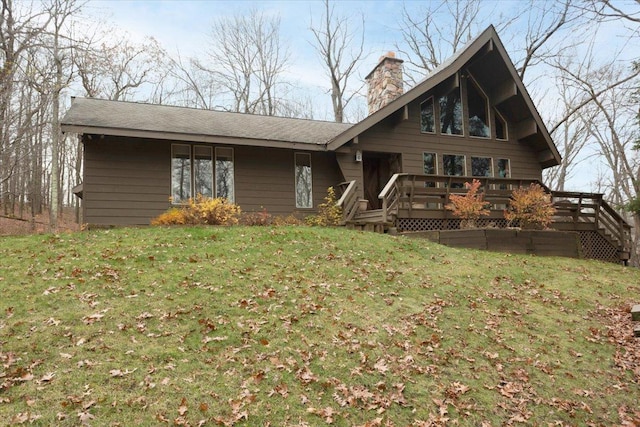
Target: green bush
{"type": "Point", "coordinates": [329, 213]}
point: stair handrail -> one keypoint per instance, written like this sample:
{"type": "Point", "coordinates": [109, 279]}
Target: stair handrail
{"type": "Point", "coordinates": [605, 216]}
{"type": "Point", "coordinates": [348, 200]}
{"type": "Point", "coordinates": [390, 196]}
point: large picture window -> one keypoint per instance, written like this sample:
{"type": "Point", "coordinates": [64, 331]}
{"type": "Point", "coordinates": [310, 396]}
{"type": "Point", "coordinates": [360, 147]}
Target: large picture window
{"type": "Point", "coordinates": [180, 173]}
{"type": "Point", "coordinates": [303, 180]}
{"type": "Point", "coordinates": [478, 111]}
{"type": "Point", "coordinates": [451, 113]}
{"type": "Point", "coordinates": [193, 171]}
{"type": "Point", "coordinates": [224, 173]}
{"type": "Point", "coordinates": [427, 118]}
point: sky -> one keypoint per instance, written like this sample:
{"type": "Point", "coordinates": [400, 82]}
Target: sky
{"type": "Point", "coordinates": [184, 27]}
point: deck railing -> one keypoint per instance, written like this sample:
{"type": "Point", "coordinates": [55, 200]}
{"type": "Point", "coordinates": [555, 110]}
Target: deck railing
{"type": "Point", "coordinates": [591, 208]}
{"type": "Point", "coordinates": [425, 196]}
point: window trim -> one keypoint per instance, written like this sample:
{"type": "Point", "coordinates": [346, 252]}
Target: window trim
{"type": "Point", "coordinates": [295, 182]}
{"type": "Point", "coordinates": [475, 83]}
{"type": "Point", "coordinates": [215, 171]}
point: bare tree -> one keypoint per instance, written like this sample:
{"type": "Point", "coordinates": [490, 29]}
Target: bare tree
{"type": "Point", "coordinates": [341, 50]}
{"type": "Point", "coordinates": [114, 69]}
{"type": "Point", "coordinates": [20, 29]}
{"type": "Point", "coordinates": [247, 59]}
{"type": "Point", "coordinates": [570, 136]}
{"type": "Point", "coordinates": [608, 10]}
{"type": "Point", "coordinates": [192, 87]}
{"type": "Point", "coordinates": [432, 34]}
{"type": "Point", "coordinates": [60, 10]}
{"type": "Point", "coordinates": [544, 22]}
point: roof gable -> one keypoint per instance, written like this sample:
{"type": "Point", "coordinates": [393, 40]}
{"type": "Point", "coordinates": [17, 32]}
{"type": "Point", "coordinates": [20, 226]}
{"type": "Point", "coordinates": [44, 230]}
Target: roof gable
{"type": "Point", "coordinates": [485, 52]}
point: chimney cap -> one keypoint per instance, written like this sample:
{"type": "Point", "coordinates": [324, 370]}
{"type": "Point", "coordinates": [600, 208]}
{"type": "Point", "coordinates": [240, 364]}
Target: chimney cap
{"type": "Point", "coordinates": [390, 55]}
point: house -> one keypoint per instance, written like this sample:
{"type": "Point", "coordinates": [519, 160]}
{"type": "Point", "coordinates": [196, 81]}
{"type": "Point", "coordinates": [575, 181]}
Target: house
{"type": "Point", "coordinates": [471, 117]}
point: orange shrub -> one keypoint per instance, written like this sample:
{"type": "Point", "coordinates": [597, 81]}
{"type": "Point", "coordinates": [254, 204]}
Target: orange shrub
{"type": "Point", "coordinates": [202, 210]}
{"type": "Point", "coordinates": [469, 207]}
{"type": "Point", "coordinates": [173, 216]}
{"type": "Point", "coordinates": [531, 207]}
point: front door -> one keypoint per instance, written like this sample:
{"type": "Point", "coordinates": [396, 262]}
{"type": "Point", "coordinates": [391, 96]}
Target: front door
{"type": "Point", "coordinates": [377, 169]}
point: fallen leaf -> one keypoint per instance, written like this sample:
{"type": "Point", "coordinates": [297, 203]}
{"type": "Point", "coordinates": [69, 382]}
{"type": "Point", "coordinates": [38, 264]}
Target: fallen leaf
{"type": "Point", "coordinates": [183, 408]}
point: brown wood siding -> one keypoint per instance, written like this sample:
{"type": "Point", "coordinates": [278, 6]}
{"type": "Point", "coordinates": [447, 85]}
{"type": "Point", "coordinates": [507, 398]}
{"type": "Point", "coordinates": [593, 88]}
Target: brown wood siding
{"type": "Point", "coordinates": [351, 170]}
{"type": "Point", "coordinates": [264, 178]}
{"type": "Point", "coordinates": [128, 181]}
{"type": "Point", "coordinates": [405, 137]}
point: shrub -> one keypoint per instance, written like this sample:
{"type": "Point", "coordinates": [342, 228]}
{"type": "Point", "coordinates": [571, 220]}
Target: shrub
{"type": "Point", "coordinates": [261, 218]}
{"type": "Point", "coordinates": [531, 207]}
{"type": "Point", "coordinates": [201, 210]}
{"type": "Point", "coordinates": [173, 216]}
{"type": "Point", "coordinates": [286, 220]}
{"type": "Point", "coordinates": [470, 207]}
{"type": "Point", "coordinates": [329, 213]}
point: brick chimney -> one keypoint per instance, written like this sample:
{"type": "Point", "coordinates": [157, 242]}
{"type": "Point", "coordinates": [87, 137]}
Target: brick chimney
{"type": "Point", "coordinates": [385, 82]}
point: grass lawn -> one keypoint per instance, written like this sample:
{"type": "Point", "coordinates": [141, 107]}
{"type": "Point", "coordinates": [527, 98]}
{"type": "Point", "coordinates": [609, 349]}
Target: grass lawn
{"type": "Point", "coordinates": [297, 326]}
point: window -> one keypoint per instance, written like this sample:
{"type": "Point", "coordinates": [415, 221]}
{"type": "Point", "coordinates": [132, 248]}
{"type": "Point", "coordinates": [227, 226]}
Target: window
{"type": "Point", "coordinates": [303, 180]}
{"type": "Point", "coordinates": [430, 167]}
{"type": "Point", "coordinates": [192, 172]}
{"type": "Point", "coordinates": [453, 165]}
{"type": "Point", "coordinates": [451, 113]}
{"type": "Point", "coordinates": [427, 123]}
{"type": "Point", "coordinates": [202, 171]}
{"type": "Point", "coordinates": [504, 169]}
{"type": "Point", "coordinates": [478, 111]}
{"type": "Point", "coordinates": [180, 173]}
{"type": "Point", "coordinates": [481, 166]}
{"type": "Point", "coordinates": [224, 173]}
{"type": "Point", "coordinates": [501, 125]}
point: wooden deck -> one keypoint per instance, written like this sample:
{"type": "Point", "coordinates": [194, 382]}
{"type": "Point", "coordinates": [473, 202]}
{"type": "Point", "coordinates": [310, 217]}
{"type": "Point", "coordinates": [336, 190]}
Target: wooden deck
{"type": "Point", "coordinates": [416, 203]}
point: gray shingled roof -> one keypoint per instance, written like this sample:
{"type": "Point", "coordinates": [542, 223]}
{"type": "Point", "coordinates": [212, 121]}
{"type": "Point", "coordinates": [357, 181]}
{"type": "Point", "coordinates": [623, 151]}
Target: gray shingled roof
{"type": "Point", "coordinates": [89, 115]}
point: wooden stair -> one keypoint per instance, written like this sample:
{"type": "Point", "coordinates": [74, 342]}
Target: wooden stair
{"type": "Point", "coordinates": [371, 220]}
